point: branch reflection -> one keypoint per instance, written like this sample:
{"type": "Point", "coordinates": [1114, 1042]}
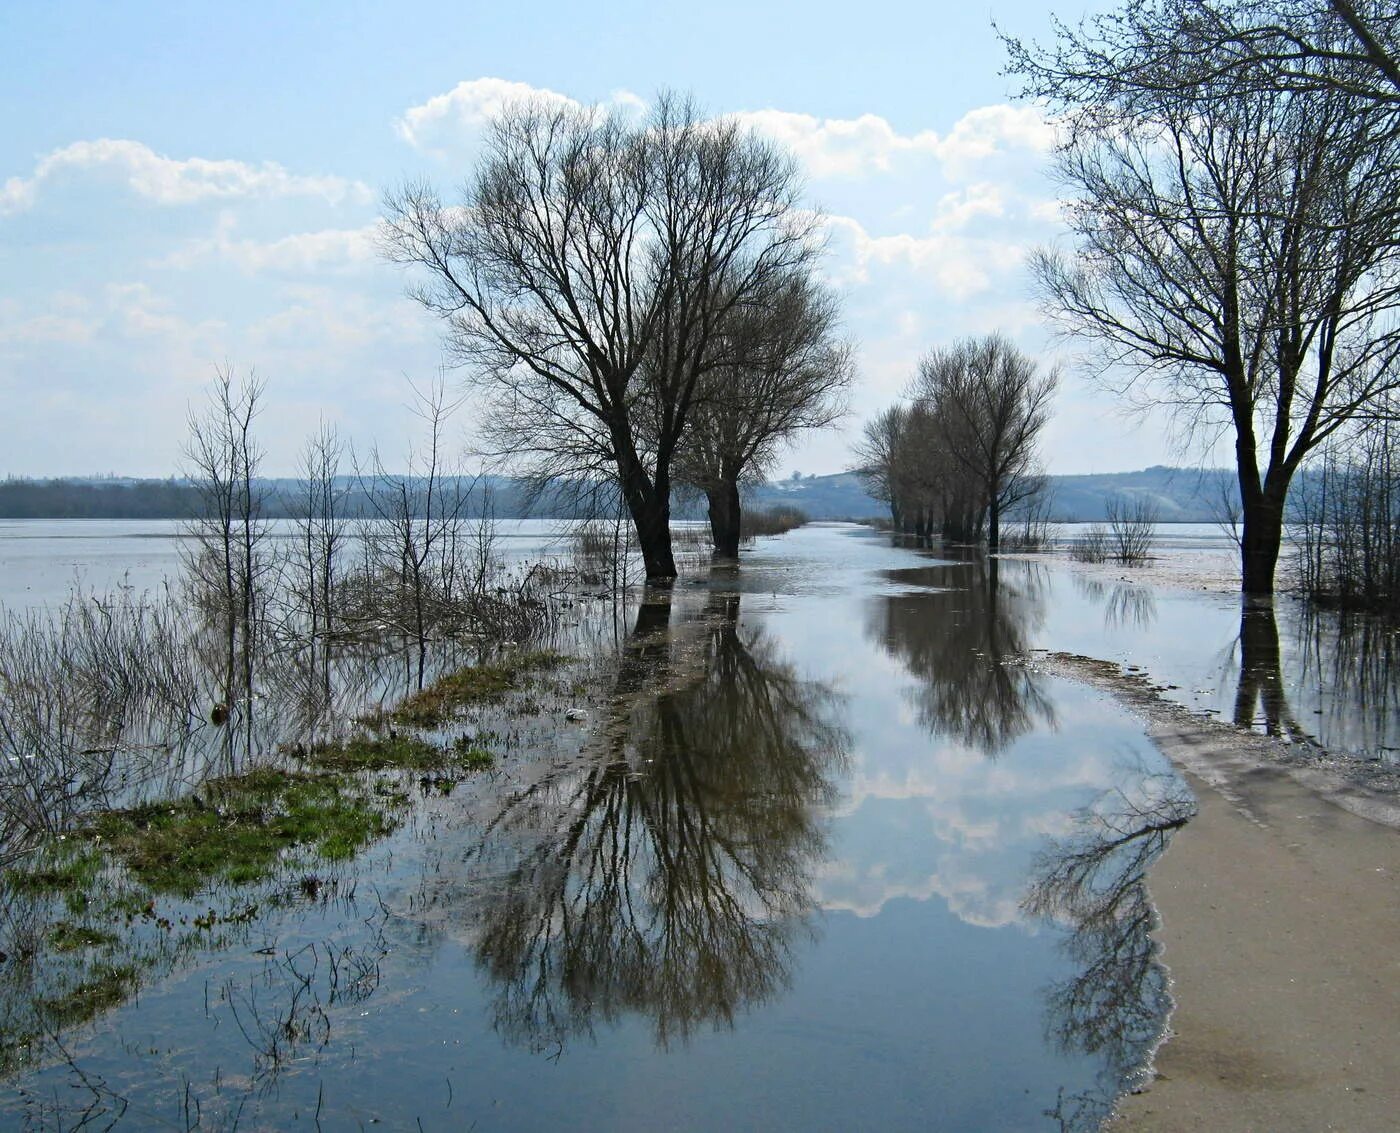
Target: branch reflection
{"type": "Point", "coordinates": [965, 638]}
{"type": "Point", "coordinates": [667, 871]}
{"type": "Point", "coordinates": [1093, 882]}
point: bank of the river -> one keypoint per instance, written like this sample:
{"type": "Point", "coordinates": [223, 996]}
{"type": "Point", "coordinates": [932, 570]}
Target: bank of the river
{"type": "Point", "coordinates": [1279, 914]}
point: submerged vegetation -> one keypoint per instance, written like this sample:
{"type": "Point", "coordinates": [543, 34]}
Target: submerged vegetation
{"type": "Point", "coordinates": [486, 683]}
{"type": "Point", "coordinates": [89, 910]}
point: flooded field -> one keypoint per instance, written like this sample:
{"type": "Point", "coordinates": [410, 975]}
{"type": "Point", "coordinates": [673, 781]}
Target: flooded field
{"type": "Point", "coordinates": [809, 844]}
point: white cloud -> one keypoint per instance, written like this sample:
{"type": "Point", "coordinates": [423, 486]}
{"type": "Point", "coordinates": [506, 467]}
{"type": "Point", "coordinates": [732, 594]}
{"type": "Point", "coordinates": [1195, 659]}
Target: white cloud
{"type": "Point", "coordinates": [839, 147]}
{"type": "Point", "coordinates": [854, 147]}
{"type": "Point", "coordinates": [993, 131]}
{"type": "Point", "coordinates": [957, 266]}
{"type": "Point", "coordinates": [465, 110]}
{"type": "Point", "coordinates": [172, 181]}
{"type": "Point", "coordinates": [827, 147]}
{"type": "Point", "coordinates": [327, 250]}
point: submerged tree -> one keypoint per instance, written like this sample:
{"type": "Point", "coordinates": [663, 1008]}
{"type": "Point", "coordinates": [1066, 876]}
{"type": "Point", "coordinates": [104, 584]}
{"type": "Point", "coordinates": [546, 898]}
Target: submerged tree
{"type": "Point", "coordinates": [589, 274]}
{"type": "Point", "coordinates": [1237, 250]}
{"type": "Point", "coordinates": [321, 531]}
{"type": "Point", "coordinates": [962, 453]}
{"type": "Point", "coordinates": [414, 540]}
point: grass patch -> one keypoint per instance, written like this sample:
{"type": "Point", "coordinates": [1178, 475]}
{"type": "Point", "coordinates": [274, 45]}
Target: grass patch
{"type": "Point", "coordinates": [66, 936]}
{"type": "Point", "coordinates": [62, 869]}
{"type": "Point", "coordinates": [466, 754]}
{"type": "Point", "coordinates": [239, 830]}
{"type": "Point", "coordinates": [377, 753]}
{"type": "Point", "coordinates": [104, 988]}
{"type": "Point", "coordinates": [476, 684]}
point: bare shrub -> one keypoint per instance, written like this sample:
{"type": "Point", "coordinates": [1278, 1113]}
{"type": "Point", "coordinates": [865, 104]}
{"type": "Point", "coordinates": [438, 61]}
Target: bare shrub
{"type": "Point", "coordinates": [1092, 546]}
{"type": "Point", "coordinates": [1132, 524]}
{"type": "Point", "coordinates": [1032, 531]}
{"type": "Point", "coordinates": [774, 521]}
{"type": "Point", "coordinates": [1348, 523]}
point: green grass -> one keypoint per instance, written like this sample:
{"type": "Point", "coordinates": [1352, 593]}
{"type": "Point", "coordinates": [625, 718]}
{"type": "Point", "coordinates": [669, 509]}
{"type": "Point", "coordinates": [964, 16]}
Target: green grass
{"type": "Point", "coordinates": [476, 684]}
{"type": "Point", "coordinates": [365, 752]}
{"type": "Point", "coordinates": [240, 828]}
{"type": "Point", "coordinates": [65, 936]}
{"type": "Point", "coordinates": [104, 988]}
{"type": "Point", "coordinates": [61, 868]}
{"type": "Point", "coordinates": [466, 754]}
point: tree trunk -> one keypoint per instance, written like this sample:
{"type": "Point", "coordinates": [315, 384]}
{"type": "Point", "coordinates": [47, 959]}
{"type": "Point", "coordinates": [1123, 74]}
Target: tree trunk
{"type": "Point", "coordinates": [994, 525]}
{"type": "Point", "coordinates": [1261, 535]}
{"type": "Point", "coordinates": [651, 516]}
{"type": "Point", "coordinates": [724, 518]}
{"type": "Point", "coordinates": [1261, 676]}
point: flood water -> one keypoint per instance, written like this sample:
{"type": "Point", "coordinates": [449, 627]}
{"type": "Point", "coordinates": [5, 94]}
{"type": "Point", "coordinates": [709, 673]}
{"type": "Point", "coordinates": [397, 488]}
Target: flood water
{"type": "Point", "coordinates": [1308, 675]}
{"type": "Point", "coordinates": [806, 845]}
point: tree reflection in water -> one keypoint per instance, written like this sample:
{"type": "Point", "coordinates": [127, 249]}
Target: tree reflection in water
{"type": "Point", "coordinates": [1094, 883]}
{"type": "Point", "coordinates": [1352, 659]}
{"type": "Point", "coordinates": [965, 638]}
{"type": "Point", "coordinates": [1125, 604]}
{"type": "Point", "coordinates": [667, 871]}
{"type": "Point", "coordinates": [1261, 696]}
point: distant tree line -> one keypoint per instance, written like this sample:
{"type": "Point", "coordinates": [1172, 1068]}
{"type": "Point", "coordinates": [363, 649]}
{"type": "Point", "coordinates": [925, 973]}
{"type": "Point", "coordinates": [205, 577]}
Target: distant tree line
{"type": "Point", "coordinates": [87, 499]}
{"type": "Point", "coordinates": [181, 498]}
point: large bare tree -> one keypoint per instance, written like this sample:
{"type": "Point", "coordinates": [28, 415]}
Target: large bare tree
{"type": "Point", "coordinates": [587, 245]}
{"type": "Point", "coordinates": [1236, 258]}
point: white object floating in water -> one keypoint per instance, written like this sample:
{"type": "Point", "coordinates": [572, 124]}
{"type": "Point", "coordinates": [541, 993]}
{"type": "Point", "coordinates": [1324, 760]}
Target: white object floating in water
{"type": "Point", "coordinates": [576, 714]}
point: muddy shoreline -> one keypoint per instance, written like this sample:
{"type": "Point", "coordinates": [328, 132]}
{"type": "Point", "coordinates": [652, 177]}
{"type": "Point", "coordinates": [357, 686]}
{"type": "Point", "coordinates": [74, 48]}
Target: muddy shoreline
{"type": "Point", "coordinates": [1279, 907]}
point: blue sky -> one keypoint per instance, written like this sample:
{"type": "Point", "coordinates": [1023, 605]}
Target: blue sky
{"type": "Point", "coordinates": [185, 185]}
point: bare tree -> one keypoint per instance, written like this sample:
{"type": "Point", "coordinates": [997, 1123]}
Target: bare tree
{"type": "Point", "coordinates": [416, 537]}
{"type": "Point", "coordinates": [321, 533]}
{"type": "Point", "coordinates": [587, 246]}
{"type": "Point", "coordinates": [1215, 49]}
{"type": "Point", "coordinates": [1132, 527]}
{"type": "Point", "coordinates": [902, 463]}
{"type": "Point", "coordinates": [224, 551]}
{"type": "Point", "coordinates": [788, 374]}
{"type": "Point", "coordinates": [988, 405]}
{"type": "Point", "coordinates": [876, 459]}
{"type": "Point", "coordinates": [1237, 260]}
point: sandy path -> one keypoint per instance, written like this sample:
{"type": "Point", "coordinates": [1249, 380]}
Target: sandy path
{"type": "Point", "coordinates": [1280, 907]}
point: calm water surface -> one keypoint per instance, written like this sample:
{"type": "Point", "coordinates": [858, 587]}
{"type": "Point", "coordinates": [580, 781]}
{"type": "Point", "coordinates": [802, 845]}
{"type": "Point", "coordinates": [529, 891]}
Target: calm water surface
{"type": "Point", "coordinates": [823, 854]}
{"type": "Point", "coordinates": [1306, 676]}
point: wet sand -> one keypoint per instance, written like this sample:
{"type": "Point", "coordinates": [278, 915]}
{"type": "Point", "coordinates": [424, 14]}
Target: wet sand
{"type": "Point", "coordinates": [1280, 907]}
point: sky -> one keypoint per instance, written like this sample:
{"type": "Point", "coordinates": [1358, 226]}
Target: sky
{"type": "Point", "coordinates": [186, 186]}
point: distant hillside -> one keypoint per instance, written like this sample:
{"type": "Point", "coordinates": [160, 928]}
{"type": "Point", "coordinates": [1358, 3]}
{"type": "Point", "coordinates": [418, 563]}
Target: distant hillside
{"type": "Point", "coordinates": [839, 496]}
{"type": "Point", "coordinates": [1179, 494]}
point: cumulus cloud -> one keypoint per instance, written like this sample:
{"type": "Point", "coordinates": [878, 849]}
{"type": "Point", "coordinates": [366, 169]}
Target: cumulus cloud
{"type": "Point", "coordinates": [175, 181]}
{"type": "Point", "coordinates": [461, 113]}
{"type": "Point", "coordinates": [855, 147]}
{"type": "Point", "coordinates": [827, 147]}
{"type": "Point", "coordinates": [955, 265]}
